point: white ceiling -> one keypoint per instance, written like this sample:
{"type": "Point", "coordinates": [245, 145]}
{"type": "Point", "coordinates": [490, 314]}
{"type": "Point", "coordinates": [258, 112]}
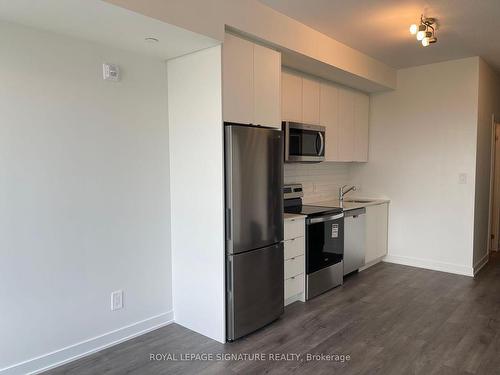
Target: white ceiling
{"type": "Point", "coordinates": [104, 23]}
{"type": "Point", "coordinates": [379, 28]}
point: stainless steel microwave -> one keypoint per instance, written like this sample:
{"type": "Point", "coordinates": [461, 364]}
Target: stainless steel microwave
{"type": "Point", "coordinates": [304, 142]}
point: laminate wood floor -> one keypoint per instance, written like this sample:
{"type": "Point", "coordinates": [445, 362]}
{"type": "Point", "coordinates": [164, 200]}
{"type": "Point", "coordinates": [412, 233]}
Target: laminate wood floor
{"type": "Point", "coordinates": [390, 319]}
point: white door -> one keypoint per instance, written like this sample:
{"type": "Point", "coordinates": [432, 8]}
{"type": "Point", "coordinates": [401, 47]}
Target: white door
{"type": "Point", "coordinates": [291, 97]}
{"type": "Point", "coordinates": [237, 80]}
{"type": "Point", "coordinates": [346, 125]}
{"type": "Point", "coordinates": [495, 216]}
{"type": "Point", "coordinates": [267, 87]}
{"type": "Point", "coordinates": [361, 120]}
{"type": "Point", "coordinates": [376, 232]}
{"type": "Point", "coordinates": [383, 227]}
{"type": "Point", "coordinates": [310, 101]}
{"type": "Point", "coordinates": [328, 117]}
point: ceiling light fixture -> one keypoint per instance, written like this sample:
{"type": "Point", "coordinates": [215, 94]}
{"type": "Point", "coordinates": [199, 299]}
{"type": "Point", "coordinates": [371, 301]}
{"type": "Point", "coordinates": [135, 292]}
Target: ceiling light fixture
{"type": "Point", "coordinates": [425, 31]}
{"type": "Point", "coordinates": [151, 40]}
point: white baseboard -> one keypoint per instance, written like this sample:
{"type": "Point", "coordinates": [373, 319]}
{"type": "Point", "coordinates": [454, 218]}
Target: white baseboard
{"type": "Point", "coordinates": [372, 263]}
{"type": "Point", "coordinates": [430, 264]}
{"type": "Point", "coordinates": [481, 263]}
{"type": "Point", "coordinates": [87, 347]}
{"type": "Point", "coordinates": [298, 297]}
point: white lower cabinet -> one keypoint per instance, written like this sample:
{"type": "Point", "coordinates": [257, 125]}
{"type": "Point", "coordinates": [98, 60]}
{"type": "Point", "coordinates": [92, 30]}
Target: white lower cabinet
{"type": "Point", "coordinates": [294, 288]}
{"type": "Point", "coordinates": [294, 266]}
{"type": "Point", "coordinates": [294, 228]}
{"type": "Point", "coordinates": [294, 247]}
{"type": "Point", "coordinates": [376, 232]}
{"type": "Point", "coordinates": [294, 254]}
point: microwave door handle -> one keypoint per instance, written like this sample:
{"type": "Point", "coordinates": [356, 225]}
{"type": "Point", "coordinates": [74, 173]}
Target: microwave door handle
{"type": "Point", "coordinates": [321, 144]}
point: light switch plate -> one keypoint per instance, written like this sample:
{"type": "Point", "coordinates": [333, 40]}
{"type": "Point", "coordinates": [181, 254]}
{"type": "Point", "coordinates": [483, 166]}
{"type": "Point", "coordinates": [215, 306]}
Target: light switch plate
{"type": "Point", "coordinates": [462, 178]}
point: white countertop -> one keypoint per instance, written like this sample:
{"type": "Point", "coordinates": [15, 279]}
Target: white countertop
{"type": "Point", "coordinates": [347, 206]}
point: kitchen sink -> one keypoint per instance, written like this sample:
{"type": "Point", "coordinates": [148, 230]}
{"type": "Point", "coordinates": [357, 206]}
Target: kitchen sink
{"type": "Point", "coordinates": [359, 200]}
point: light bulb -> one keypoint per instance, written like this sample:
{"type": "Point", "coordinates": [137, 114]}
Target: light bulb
{"type": "Point", "coordinates": [425, 41]}
{"type": "Point", "coordinates": [420, 35]}
{"type": "Point", "coordinates": [413, 29]}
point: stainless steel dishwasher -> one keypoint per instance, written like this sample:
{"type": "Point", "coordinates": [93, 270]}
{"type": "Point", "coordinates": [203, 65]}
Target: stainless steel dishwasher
{"type": "Point", "coordinates": [354, 239]}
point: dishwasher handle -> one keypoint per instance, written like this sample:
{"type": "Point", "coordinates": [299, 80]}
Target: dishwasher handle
{"type": "Point", "coordinates": [322, 219]}
{"type": "Point", "coordinates": [355, 212]}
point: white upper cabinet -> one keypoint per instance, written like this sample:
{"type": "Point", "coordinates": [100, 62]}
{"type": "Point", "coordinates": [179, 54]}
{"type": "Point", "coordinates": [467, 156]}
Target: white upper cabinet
{"type": "Point", "coordinates": [361, 120]}
{"type": "Point", "coordinates": [310, 101]}
{"type": "Point", "coordinates": [346, 125]}
{"type": "Point", "coordinates": [329, 118]}
{"type": "Point", "coordinates": [251, 76]}
{"type": "Point", "coordinates": [267, 86]}
{"type": "Point", "coordinates": [300, 99]}
{"type": "Point", "coordinates": [291, 97]}
{"type": "Point", "coordinates": [237, 78]}
{"type": "Point", "coordinates": [342, 111]}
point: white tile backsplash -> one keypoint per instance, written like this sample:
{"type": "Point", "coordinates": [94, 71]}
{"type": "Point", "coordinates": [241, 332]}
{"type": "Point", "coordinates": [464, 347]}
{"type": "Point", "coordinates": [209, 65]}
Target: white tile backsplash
{"type": "Point", "coordinates": [321, 181]}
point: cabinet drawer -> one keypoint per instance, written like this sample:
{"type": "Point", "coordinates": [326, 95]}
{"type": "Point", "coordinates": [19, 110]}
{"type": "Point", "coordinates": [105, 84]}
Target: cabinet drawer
{"type": "Point", "coordinates": [294, 266]}
{"type": "Point", "coordinates": [294, 286]}
{"type": "Point", "coordinates": [294, 228]}
{"type": "Point", "coordinates": [294, 247]}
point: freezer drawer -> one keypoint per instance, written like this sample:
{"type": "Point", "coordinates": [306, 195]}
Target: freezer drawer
{"type": "Point", "coordinates": [354, 240]}
{"type": "Point", "coordinates": [255, 289]}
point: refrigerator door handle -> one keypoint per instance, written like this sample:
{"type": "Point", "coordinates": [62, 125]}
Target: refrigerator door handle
{"type": "Point", "coordinates": [230, 276]}
{"type": "Point", "coordinates": [228, 224]}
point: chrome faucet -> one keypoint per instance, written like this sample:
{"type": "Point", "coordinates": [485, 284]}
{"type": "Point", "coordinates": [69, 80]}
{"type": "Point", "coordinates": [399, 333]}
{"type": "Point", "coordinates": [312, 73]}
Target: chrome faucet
{"type": "Point", "coordinates": [343, 191]}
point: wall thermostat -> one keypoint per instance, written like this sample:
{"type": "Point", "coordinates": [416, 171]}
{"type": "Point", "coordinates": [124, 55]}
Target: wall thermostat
{"type": "Point", "coordinates": [110, 72]}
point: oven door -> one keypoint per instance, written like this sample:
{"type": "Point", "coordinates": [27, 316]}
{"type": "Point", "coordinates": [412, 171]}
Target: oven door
{"type": "Point", "coordinates": [324, 241]}
{"type": "Point", "coordinates": [303, 142]}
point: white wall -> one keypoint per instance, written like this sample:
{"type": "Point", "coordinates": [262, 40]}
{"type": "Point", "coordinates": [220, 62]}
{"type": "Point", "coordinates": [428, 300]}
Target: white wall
{"type": "Point", "coordinates": [489, 103]}
{"type": "Point", "coordinates": [422, 136]}
{"type": "Point", "coordinates": [197, 190]}
{"type": "Point", "coordinates": [349, 66]}
{"type": "Point", "coordinates": [84, 197]}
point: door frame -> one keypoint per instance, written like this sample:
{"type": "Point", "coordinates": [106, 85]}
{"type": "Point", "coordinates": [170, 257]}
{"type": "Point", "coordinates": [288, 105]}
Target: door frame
{"type": "Point", "coordinates": [493, 233]}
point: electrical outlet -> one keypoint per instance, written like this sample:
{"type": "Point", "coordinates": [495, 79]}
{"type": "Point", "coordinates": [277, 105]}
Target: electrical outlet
{"type": "Point", "coordinates": [110, 72]}
{"type": "Point", "coordinates": [117, 300]}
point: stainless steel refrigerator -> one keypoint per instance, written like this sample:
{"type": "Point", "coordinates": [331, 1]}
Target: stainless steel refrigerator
{"type": "Point", "coordinates": [254, 228]}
